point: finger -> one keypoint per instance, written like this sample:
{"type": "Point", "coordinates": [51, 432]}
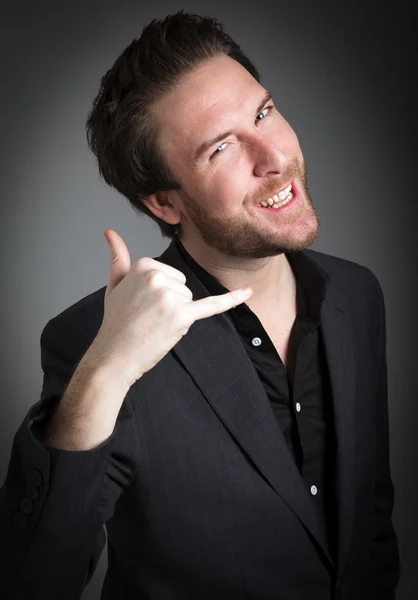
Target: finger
{"type": "Point", "coordinates": [121, 260]}
{"type": "Point", "coordinates": [213, 305]}
{"type": "Point", "coordinates": [177, 286]}
{"type": "Point", "coordinates": [167, 269]}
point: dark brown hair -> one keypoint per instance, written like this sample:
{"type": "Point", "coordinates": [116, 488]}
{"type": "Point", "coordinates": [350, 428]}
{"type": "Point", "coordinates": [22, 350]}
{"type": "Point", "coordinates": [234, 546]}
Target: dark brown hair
{"type": "Point", "coordinates": [121, 129]}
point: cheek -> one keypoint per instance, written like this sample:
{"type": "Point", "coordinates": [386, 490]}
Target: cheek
{"type": "Point", "coordinates": [293, 141]}
{"type": "Point", "coordinates": [296, 143]}
{"type": "Point", "coordinates": [230, 184]}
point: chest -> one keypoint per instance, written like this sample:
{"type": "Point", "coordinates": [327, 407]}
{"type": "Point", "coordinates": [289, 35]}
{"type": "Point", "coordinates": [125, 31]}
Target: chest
{"type": "Point", "coordinates": [278, 319]}
{"type": "Point", "coordinates": [279, 331]}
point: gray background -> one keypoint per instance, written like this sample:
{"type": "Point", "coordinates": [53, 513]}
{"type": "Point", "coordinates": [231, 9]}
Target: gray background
{"type": "Point", "coordinates": [340, 75]}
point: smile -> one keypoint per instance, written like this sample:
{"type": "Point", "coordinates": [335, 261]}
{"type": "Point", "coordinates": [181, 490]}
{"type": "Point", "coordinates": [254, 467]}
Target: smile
{"type": "Point", "coordinates": [278, 200]}
{"type": "Point", "coordinates": [285, 200]}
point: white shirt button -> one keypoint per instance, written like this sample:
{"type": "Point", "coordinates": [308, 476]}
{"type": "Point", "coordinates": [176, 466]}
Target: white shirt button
{"type": "Point", "coordinates": [314, 490]}
{"type": "Point", "coordinates": [256, 341]}
{"type": "Point", "coordinates": [298, 406]}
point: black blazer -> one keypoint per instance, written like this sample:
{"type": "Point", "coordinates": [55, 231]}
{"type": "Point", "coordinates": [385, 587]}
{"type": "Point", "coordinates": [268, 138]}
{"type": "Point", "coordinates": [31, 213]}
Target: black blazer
{"type": "Point", "coordinates": [196, 488]}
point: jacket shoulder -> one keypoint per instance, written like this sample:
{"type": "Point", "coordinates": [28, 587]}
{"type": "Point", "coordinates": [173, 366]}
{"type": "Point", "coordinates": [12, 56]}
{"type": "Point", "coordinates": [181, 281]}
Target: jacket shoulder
{"type": "Point", "coordinates": [86, 314]}
{"type": "Point", "coordinates": [343, 271]}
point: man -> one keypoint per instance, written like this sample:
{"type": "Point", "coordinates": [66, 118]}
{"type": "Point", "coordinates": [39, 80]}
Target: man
{"type": "Point", "coordinates": [234, 446]}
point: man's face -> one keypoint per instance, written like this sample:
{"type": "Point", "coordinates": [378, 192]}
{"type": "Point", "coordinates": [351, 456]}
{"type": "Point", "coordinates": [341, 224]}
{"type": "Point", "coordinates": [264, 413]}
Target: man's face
{"type": "Point", "coordinates": [221, 186]}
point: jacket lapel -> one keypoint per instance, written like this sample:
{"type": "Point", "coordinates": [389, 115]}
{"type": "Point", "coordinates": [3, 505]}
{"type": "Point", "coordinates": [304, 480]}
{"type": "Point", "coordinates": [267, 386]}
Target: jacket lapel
{"type": "Point", "coordinates": [213, 354]}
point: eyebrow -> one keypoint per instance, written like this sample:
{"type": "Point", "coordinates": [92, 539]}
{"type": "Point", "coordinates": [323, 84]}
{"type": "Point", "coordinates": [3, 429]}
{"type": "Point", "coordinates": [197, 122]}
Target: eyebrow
{"type": "Point", "coordinates": [206, 145]}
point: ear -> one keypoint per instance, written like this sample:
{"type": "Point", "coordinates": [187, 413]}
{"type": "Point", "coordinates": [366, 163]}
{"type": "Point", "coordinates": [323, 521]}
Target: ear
{"type": "Point", "coordinates": [162, 205]}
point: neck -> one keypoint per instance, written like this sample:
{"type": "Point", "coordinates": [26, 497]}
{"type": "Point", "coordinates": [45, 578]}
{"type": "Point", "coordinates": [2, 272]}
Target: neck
{"type": "Point", "coordinates": [271, 279]}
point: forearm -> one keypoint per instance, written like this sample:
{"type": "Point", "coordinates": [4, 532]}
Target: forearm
{"type": "Point", "coordinates": [49, 516]}
{"type": "Point", "coordinates": [55, 501]}
{"type": "Point", "coordinates": [87, 412]}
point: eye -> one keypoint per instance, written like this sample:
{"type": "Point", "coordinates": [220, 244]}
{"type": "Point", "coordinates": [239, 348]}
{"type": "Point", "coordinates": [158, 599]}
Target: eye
{"type": "Point", "coordinates": [264, 114]}
{"type": "Point", "coordinates": [217, 149]}
{"type": "Point", "coordinates": [263, 111]}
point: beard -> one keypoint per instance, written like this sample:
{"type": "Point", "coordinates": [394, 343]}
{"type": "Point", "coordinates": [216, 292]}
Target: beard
{"type": "Point", "coordinates": [254, 234]}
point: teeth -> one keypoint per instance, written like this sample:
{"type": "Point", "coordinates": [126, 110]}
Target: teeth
{"type": "Point", "coordinates": [277, 201]}
{"type": "Point", "coordinates": [281, 203]}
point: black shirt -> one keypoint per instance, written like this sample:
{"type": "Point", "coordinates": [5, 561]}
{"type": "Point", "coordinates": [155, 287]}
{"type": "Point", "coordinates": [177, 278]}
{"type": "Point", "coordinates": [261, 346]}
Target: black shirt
{"type": "Point", "coordinates": [301, 396]}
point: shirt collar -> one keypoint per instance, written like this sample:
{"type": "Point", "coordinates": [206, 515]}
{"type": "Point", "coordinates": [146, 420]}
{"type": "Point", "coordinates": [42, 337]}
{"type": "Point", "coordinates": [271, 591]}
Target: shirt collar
{"type": "Point", "coordinates": [311, 282]}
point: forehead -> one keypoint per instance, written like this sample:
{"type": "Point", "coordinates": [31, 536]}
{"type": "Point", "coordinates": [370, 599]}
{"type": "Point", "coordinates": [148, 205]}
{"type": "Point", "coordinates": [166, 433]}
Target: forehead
{"type": "Point", "coordinates": [206, 101]}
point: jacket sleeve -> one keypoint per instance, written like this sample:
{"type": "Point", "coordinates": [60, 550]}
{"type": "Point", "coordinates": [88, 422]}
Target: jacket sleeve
{"type": "Point", "coordinates": [54, 503]}
{"type": "Point", "coordinates": [384, 565]}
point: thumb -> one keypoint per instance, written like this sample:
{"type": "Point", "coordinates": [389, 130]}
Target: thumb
{"type": "Point", "coordinates": [121, 260]}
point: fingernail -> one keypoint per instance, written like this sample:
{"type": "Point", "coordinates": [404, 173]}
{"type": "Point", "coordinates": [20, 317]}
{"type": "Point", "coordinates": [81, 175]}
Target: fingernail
{"type": "Point", "coordinates": [245, 291]}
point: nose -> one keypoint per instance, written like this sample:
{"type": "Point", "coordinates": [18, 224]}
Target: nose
{"type": "Point", "coordinates": [268, 157]}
